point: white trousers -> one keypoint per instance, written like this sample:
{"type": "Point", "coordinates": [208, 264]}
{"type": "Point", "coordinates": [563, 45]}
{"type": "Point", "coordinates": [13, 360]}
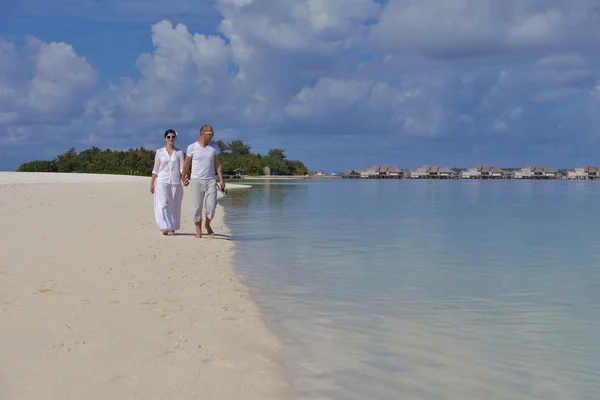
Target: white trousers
{"type": "Point", "coordinates": [204, 196]}
{"type": "Point", "coordinates": [167, 206]}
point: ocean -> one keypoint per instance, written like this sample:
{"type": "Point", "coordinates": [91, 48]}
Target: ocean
{"type": "Point", "coordinates": [426, 289]}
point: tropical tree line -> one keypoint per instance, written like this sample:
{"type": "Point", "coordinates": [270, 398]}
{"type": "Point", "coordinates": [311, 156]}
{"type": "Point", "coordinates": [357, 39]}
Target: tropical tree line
{"type": "Point", "coordinates": [236, 158]}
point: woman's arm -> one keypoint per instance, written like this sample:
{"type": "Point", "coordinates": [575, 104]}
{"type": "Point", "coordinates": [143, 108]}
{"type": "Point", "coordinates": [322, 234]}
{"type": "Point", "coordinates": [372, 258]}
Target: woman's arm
{"type": "Point", "coordinates": [181, 162]}
{"type": "Point", "coordinates": [154, 171]}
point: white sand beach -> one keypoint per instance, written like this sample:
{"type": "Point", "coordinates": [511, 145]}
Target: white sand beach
{"type": "Point", "coordinates": [95, 303]}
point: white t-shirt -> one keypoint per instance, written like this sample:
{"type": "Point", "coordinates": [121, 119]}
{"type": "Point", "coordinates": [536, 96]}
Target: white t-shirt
{"type": "Point", "coordinates": [203, 160]}
{"type": "Point", "coordinates": [167, 168]}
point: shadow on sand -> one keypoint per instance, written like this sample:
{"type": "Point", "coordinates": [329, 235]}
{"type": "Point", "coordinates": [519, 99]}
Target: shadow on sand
{"type": "Point", "coordinates": [219, 236]}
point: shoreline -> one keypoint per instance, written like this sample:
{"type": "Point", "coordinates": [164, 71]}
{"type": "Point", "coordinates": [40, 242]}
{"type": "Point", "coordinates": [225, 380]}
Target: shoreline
{"type": "Point", "coordinates": [96, 303]}
{"type": "Point", "coordinates": [10, 177]}
{"type": "Point", "coordinates": [288, 177]}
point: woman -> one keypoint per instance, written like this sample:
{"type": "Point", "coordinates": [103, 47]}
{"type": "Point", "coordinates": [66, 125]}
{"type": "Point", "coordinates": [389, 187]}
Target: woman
{"type": "Point", "coordinates": [166, 185]}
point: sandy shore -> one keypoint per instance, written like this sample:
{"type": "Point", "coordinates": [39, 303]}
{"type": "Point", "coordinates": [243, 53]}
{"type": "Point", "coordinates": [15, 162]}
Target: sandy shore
{"type": "Point", "coordinates": [96, 304]}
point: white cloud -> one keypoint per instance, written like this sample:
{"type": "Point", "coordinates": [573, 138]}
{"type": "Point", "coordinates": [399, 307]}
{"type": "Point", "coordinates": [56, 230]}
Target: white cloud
{"type": "Point", "coordinates": [43, 82]}
{"type": "Point", "coordinates": [61, 78]}
{"type": "Point", "coordinates": [595, 92]}
{"type": "Point", "coordinates": [499, 126]}
{"type": "Point", "coordinates": [540, 28]}
{"type": "Point", "coordinates": [566, 77]}
{"type": "Point", "coordinates": [465, 119]}
{"type": "Point", "coordinates": [185, 78]}
{"type": "Point", "coordinates": [552, 95]}
{"type": "Point", "coordinates": [280, 67]}
{"type": "Point", "coordinates": [458, 28]}
{"type": "Point", "coordinates": [335, 15]}
{"type": "Point", "coordinates": [565, 60]}
{"type": "Point", "coordinates": [517, 113]}
{"type": "Point", "coordinates": [328, 97]}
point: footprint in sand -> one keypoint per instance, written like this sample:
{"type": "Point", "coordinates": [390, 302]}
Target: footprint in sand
{"type": "Point", "coordinates": [160, 311]}
{"type": "Point", "coordinates": [45, 290]}
{"type": "Point", "coordinates": [128, 380]}
{"type": "Point", "coordinates": [153, 302]}
{"type": "Point", "coordinates": [221, 362]}
{"type": "Point", "coordinates": [10, 310]}
{"type": "Point", "coordinates": [69, 347]}
{"type": "Point", "coordinates": [10, 302]}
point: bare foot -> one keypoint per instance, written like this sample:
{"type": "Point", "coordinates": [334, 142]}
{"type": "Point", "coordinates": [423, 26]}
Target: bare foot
{"type": "Point", "coordinates": [198, 236]}
{"type": "Point", "coordinates": [171, 233]}
{"type": "Point", "coordinates": [208, 227]}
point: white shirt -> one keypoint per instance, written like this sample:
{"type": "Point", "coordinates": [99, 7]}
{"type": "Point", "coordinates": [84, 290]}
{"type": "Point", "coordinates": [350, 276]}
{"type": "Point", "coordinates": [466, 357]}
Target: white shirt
{"type": "Point", "coordinates": [203, 160]}
{"type": "Point", "coordinates": [167, 168]}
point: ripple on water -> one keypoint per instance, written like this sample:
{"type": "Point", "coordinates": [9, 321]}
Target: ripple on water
{"type": "Point", "coordinates": [428, 290]}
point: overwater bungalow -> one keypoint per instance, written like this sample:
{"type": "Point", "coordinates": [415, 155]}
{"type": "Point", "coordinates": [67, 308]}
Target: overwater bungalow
{"type": "Point", "coordinates": [484, 172]}
{"type": "Point", "coordinates": [447, 173]}
{"type": "Point", "coordinates": [378, 172]}
{"type": "Point", "coordinates": [386, 171]}
{"type": "Point", "coordinates": [536, 172]}
{"type": "Point", "coordinates": [418, 173]}
{"type": "Point", "coordinates": [389, 172]}
{"type": "Point", "coordinates": [584, 173]}
{"type": "Point", "coordinates": [432, 172]}
{"type": "Point", "coordinates": [370, 173]}
{"type": "Point", "coordinates": [351, 174]}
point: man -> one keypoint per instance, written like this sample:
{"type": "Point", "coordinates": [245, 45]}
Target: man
{"type": "Point", "coordinates": [203, 157]}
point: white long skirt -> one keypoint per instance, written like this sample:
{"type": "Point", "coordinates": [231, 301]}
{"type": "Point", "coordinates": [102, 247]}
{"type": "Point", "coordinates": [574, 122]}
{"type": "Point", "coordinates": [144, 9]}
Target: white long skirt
{"type": "Point", "coordinates": [167, 206]}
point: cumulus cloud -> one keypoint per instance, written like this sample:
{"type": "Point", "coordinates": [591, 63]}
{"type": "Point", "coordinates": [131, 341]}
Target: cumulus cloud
{"type": "Point", "coordinates": [42, 82]}
{"type": "Point", "coordinates": [354, 106]}
{"type": "Point", "coordinates": [466, 28]}
{"type": "Point", "coordinates": [185, 78]}
{"type": "Point", "coordinates": [408, 71]}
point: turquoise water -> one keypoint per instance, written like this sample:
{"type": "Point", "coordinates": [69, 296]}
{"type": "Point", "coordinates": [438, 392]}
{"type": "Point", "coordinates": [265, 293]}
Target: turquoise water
{"type": "Point", "coordinates": [416, 289]}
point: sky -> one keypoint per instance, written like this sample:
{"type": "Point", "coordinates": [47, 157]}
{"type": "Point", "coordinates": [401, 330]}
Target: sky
{"type": "Point", "coordinates": [338, 84]}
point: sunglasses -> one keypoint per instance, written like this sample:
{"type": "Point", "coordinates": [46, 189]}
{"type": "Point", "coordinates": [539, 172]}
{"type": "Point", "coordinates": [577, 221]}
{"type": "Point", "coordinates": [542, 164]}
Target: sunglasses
{"type": "Point", "coordinates": [171, 137]}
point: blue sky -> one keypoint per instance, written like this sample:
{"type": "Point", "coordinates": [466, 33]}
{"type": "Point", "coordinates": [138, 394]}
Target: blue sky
{"type": "Point", "coordinates": [339, 84]}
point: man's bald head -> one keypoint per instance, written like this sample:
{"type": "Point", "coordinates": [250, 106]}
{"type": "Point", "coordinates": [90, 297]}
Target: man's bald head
{"type": "Point", "coordinates": [206, 134]}
{"type": "Point", "coordinates": [206, 129]}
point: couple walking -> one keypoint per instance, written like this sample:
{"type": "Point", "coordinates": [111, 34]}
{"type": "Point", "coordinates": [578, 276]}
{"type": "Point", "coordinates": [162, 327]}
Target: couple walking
{"type": "Point", "coordinates": [170, 175]}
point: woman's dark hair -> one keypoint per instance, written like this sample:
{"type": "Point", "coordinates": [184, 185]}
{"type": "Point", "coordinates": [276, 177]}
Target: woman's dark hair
{"type": "Point", "coordinates": [170, 131]}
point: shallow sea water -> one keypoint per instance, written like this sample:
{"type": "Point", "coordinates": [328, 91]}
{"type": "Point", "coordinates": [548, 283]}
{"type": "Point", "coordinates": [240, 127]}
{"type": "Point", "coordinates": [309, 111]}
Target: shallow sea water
{"type": "Point", "coordinates": [417, 289]}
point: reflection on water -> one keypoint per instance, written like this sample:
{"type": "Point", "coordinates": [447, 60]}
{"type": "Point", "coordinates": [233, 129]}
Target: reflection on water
{"type": "Point", "coordinates": [427, 289]}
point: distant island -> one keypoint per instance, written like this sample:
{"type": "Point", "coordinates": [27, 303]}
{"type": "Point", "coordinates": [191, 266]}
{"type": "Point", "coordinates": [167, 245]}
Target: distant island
{"type": "Point", "coordinates": [239, 162]}
{"type": "Point", "coordinates": [236, 160]}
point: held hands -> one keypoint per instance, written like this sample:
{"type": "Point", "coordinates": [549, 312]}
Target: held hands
{"type": "Point", "coordinates": [186, 182]}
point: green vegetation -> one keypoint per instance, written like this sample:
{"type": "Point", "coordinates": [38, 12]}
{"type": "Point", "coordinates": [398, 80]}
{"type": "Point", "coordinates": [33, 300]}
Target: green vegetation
{"type": "Point", "coordinates": [235, 158]}
{"type": "Point", "coordinates": [95, 161]}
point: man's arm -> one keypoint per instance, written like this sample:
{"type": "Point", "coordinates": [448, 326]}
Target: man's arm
{"type": "Point", "coordinates": [186, 169]}
{"type": "Point", "coordinates": [219, 170]}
